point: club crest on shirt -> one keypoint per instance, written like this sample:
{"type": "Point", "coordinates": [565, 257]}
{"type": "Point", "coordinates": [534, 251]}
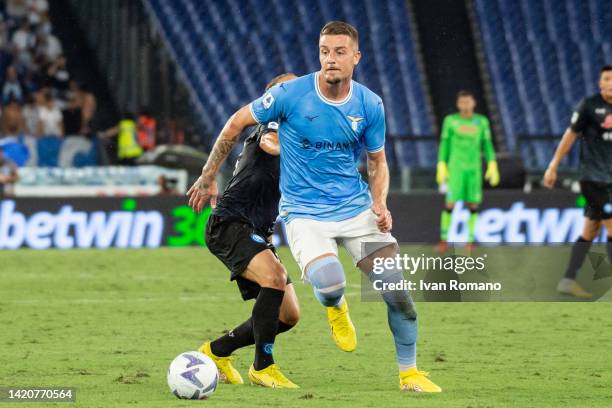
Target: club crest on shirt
{"type": "Point", "coordinates": [354, 121]}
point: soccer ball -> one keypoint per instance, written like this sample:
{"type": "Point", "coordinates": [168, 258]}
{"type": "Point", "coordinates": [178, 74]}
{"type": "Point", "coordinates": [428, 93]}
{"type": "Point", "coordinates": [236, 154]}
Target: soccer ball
{"type": "Point", "coordinates": [192, 375]}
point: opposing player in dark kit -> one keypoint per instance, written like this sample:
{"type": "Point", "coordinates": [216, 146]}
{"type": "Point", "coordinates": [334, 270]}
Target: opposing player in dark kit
{"type": "Point", "coordinates": [592, 121]}
{"type": "Point", "coordinates": [238, 234]}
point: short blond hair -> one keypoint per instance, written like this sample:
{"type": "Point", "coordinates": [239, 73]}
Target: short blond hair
{"type": "Point", "coordinates": [340, 28]}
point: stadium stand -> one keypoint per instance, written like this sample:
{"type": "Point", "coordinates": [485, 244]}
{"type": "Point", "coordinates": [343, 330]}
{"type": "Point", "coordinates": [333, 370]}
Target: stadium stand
{"type": "Point", "coordinates": [45, 114]}
{"type": "Point", "coordinates": [227, 68]}
{"type": "Point", "coordinates": [543, 56]}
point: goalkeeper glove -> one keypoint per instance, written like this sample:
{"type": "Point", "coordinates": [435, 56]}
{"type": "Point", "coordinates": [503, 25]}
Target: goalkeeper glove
{"type": "Point", "coordinates": [442, 172]}
{"type": "Point", "coordinates": [492, 173]}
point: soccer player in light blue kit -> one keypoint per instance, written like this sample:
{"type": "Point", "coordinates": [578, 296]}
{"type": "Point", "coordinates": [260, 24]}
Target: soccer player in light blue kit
{"type": "Point", "coordinates": [326, 119]}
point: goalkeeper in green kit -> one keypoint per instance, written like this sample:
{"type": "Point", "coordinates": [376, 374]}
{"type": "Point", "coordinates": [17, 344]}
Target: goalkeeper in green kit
{"type": "Point", "coordinates": [464, 137]}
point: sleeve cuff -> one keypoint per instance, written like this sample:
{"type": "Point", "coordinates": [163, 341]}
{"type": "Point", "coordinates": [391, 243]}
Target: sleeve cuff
{"type": "Point", "coordinates": [253, 113]}
{"type": "Point", "coordinates": [378, 149]}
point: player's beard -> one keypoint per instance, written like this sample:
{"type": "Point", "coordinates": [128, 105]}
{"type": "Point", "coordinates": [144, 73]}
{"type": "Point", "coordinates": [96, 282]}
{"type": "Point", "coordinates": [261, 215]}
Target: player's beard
{"type": "Point", "coordinates": [333, 81]}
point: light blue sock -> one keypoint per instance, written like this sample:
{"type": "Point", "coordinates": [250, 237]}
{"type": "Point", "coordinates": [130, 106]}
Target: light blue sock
{"type": "Point", "coordinates": [402, 318]}
{"type": "Point", "coordinates": [404, 331]}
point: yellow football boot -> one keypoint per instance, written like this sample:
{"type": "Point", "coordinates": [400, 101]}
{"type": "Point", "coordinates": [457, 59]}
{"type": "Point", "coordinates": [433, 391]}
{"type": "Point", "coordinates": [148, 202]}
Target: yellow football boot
{"type": "Point", "coordinates": [270, 377]}
{"type": "Point", "coordinates": [342, 327]}
{"type": "Point", "coordinates": [227, 372]}
{"type": "Point", "coordinates": [417, 381]}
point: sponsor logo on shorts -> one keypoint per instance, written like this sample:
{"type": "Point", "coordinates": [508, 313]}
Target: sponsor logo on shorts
{"type": "Point", "coordinates": [607, 208]}
{"type": "Point", "coordinates": [257, 238]}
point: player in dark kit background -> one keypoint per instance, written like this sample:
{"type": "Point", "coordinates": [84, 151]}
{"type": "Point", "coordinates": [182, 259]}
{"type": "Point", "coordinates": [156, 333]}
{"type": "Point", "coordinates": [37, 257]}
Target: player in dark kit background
{"type": "Point", "coordinates": [237, 233]}
{"type": "Point", "coordinates": [592, 120]}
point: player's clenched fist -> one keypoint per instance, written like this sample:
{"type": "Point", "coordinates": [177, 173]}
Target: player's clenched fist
{"type": "Point", "coordinates": [384, 221]}
{"type": "Point", "coordinates": [201, 192]}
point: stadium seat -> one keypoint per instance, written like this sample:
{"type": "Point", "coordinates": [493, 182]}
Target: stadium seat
{"type": "Point", "coordinates": [543, 57]}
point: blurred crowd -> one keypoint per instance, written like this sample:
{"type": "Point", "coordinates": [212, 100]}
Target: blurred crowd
{"type": "Point", "coordinates": [39, 98]}
{"type": "Point", "coordinates": [43, 110]}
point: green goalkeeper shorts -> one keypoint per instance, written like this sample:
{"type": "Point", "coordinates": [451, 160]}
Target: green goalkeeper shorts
{"type": "Point", "coordinates": [464, 185]}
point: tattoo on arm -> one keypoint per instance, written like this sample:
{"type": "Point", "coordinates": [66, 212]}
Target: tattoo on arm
{"type": "Point", "coordinates": [223, 146]}
{"type": "Point", "coordinates": [225, 143]}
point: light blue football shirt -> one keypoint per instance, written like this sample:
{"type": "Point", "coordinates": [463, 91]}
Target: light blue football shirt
{"type": "Point", "coordinates": [320, 144]}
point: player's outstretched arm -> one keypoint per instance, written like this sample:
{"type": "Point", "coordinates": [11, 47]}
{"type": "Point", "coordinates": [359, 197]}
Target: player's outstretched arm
{"type": "Point", "coordinates": [205, 187]}
{"type": "Point", "coordinates": [378, 179]}
{"type": "Point", "coordinates": [567, 141]}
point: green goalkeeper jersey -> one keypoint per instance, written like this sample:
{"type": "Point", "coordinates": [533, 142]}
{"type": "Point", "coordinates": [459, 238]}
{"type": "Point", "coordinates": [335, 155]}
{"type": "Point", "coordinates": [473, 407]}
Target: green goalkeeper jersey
{"type": "Point", "coordinates": [463, 140]}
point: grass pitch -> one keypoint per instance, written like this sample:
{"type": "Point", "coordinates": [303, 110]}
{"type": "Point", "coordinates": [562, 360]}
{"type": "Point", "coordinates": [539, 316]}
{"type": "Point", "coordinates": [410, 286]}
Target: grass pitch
{"type": "Point", "coordinates": [109, 323]}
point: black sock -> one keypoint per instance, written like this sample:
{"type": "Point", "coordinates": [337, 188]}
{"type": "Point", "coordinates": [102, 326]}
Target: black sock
{"type": "Point", "coordinates": [265, 324]}
{"type": "Point", "coordinates": [283, 327]}
{"type": "Point", "coordinates": [241, 336]}
{"type": "Point", "coordinates": [579, 252]}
